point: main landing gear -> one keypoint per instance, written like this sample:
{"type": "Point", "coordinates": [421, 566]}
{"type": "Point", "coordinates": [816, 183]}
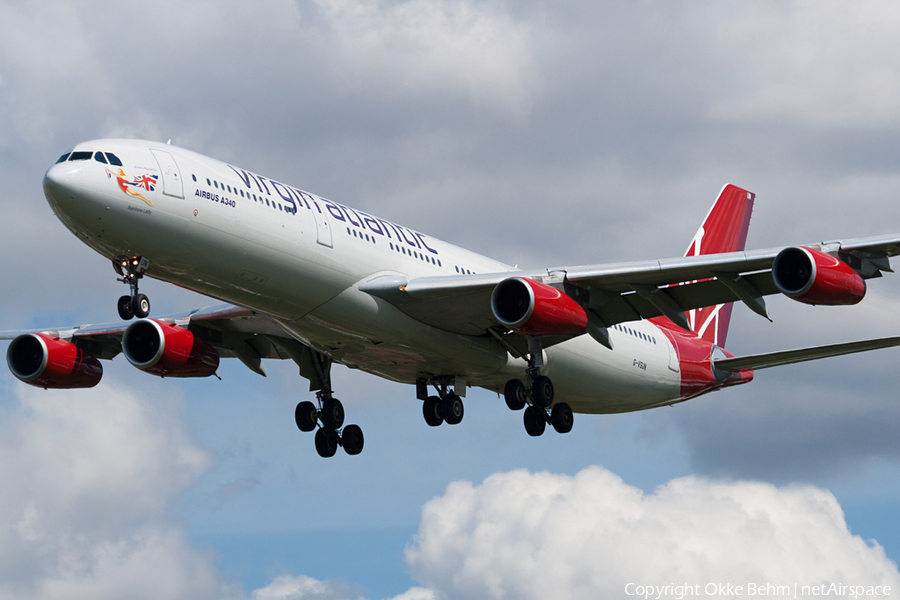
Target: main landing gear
{"type": "Point", "coordinates": [538, 397]}
{"type": "Point", "coordinates": [446, 407]}
{"type": "Point", "coordinates": [329, 418]}
{"type": "Point", "coordinates": [135, 304]}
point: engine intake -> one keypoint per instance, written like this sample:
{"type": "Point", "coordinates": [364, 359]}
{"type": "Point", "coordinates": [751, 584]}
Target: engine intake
{"type": "Point", "coordinates": [43, 361]}
{"type": "Point", "coordinates": [167, 350]}
{"type": "Point", "coordinates": [813, 277]}
{"type": "Point", "coordinates": [534, 308]}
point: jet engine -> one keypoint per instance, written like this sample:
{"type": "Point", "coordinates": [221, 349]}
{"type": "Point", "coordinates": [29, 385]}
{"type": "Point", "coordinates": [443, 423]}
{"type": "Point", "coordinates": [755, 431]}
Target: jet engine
{"type": "Point", "coordinates": [43, 361]}
{"type": "Point", "coordinates": [534, 308]}
{"type": "Point", "coordinates": [813, 277]}
{"type": "Point", "coordinates": [167, 350]}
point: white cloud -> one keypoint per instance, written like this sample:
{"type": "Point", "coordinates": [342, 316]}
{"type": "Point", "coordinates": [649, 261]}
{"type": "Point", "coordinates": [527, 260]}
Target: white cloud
{"type": "Point", "coordinates": [88, 477]}
{"type": "Point", "coordinates": [822, 64]}
{"type": "Point", "coordinates": [416, 593]}
{"type": "Point", "coordinates": [456, 48]}
{"type": "Point", "coordinates": [301, 587]}
{"type": "Point", "coordinates": [522, 535]}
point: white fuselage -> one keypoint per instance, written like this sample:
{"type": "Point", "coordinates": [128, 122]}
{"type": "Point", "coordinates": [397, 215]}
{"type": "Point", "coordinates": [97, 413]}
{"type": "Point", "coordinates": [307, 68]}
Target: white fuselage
{"type": "Point", "coordinates": [299, 258]}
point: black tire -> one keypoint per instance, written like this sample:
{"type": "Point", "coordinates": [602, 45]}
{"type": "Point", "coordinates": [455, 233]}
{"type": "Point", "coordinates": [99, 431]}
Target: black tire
{"type": "Point", "coordinates": [542, 391]}
{"type": "Point", "coordinates": [561, 417]}
{"type": "Point", "coordinates": [305, 415]}
{"type": "Point", "coordinates": [326, 443]}
{"type": "Point", "coordinates": [352, 439]}
{"type": "Point", "coordinates": [431, 409]}
{"type": "Point", "coordinates": [452, 409]}
{"type": "Point", "coordinates": [535, 423]}
{"type": "Point", "coordinates": [124, 307]}
{"type": "Point", "coordinates": [333, 413]}
{"type": "Point", "coordinates": [140, 306]}
{"type": "Point", "coordinates": [515, 394]}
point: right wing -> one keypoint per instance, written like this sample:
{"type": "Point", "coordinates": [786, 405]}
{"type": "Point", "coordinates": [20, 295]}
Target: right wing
{"type": "Point", "coordinates": [622, 292]}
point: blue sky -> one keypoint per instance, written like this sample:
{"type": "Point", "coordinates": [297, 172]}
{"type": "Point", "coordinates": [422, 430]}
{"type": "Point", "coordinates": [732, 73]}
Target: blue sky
{"type": "Point", "coordinates": [541, 135]}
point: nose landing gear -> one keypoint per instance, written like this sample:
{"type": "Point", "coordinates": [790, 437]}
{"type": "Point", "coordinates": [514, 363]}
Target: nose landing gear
{"type": "Point", "coordinates": [131, 270]}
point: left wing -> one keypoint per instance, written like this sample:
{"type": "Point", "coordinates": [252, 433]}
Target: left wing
{"type": "Point", "coordinates": [231, 330]}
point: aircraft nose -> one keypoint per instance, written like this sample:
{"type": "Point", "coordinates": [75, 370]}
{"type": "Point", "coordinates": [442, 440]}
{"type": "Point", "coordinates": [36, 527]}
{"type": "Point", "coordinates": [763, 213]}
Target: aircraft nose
{"type": "Point", "coordinates": [61, 181]}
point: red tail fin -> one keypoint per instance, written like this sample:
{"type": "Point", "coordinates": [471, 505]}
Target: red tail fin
{"type": "Point", "coordinates": [723, 230]}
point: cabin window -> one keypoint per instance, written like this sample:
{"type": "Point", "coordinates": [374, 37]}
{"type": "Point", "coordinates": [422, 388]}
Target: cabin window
{"type": "Point", "coordinates": [194, 177]}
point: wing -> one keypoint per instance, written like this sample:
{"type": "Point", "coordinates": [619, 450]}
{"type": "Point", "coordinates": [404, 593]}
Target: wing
{"type": "Point", "coordinates": [231, 330]}
{"type": "Point", "coordinates": [617, 293]}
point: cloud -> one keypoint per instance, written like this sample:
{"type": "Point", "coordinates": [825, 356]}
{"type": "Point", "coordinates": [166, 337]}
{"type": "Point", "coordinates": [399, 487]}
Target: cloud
{"type": "Point", "coordinates": [539, 535]}
{"type": "Point", "coordinates": [301, 587]}
{"type": "Point", "coordinates": [88, 478]}
{"type": "Point", "coordinates": [820, 64]}
{"type": "Point", "coordinates": [465, 49]}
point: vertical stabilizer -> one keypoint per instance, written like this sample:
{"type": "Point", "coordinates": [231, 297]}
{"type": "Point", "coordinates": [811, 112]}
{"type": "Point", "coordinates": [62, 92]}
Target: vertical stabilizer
{"type": "Point", "coordinates": [723, 230]}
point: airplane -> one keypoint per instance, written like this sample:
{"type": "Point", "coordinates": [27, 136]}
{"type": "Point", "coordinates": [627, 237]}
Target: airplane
{"type": "Point", "coordinates": [308, 279]}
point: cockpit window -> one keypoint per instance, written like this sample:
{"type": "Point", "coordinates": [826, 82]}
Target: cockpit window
{"type": "Point", "coordinates": [98, 156]}
{"type": "Point", "coordinates": [63, 158]}
{"type": "Point", "coordinates": [81, 156]}
{"type": "Point", "coordinates": [113, 159]}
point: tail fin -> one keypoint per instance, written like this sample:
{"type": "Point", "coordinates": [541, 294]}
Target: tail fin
{"type": "Point", "coordinates": [723, 230]}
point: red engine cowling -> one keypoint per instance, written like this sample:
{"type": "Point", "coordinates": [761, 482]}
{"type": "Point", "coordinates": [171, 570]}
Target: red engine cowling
{"type": "Point", "coordinates": [813, 277]}
{"type": "Point", "coordinates": [168, 350]}
{"type": "Point", "coordinates": [43, 361]}
{"type": "Point", "coordinates": [534, 308]}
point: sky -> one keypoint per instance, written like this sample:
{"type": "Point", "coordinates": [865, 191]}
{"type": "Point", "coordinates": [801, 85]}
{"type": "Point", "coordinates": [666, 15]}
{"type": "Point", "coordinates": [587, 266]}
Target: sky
{"type": "Point", "coordinates": [540, 134]}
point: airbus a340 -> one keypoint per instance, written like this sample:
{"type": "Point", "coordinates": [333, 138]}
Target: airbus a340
{"type": "Point", "coordinates": [317, 282]}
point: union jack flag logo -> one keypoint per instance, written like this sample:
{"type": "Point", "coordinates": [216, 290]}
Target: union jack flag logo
{"type": "Point", "coordinates": [148, 182]}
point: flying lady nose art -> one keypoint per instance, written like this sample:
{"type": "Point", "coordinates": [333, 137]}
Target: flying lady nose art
{"type": "Point", "coordinates": [147, 182]}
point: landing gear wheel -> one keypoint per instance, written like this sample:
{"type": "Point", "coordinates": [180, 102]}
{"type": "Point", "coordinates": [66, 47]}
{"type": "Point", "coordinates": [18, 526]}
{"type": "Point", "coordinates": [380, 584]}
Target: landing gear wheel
{"type": "Point", "coordinates": [140, 306]}
{"type": "Point", "coordinates": [305, 416]}
{"type": "Point", "coordinates": [333, 413]}
{"type": "Point", "coordinates": [432, 411]}
{"type": "Point", "coordinates": [561, 417]}
{"type": "Point", "coordinates": [326, 443]}
{"type": "Point", "coordinates": [352, 439]}
{"type": "Point", "coordinates": [515, 394]}
{"type": "Point", "coordinates": [542, 389]}
{"type": "Point", "coordinates": [535, 421]}
{"type": "Point", "coordinates": [452, 409]}
{"type": "Point", "coordinates": [124, 306]}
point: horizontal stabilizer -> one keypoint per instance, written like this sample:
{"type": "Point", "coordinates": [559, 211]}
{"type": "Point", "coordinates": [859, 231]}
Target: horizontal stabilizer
{"type": "Point", "coordinates": [787, 357]}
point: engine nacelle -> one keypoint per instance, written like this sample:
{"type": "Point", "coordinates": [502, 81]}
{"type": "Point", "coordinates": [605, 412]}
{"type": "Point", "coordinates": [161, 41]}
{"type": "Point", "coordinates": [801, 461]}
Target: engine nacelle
{"type": "Point", "coordinates": [534, 308]}
{"type": "Point", "coordinates": [43, 361]}
{"type": "Point", "coordinates": [168, 350]}
{"type": "Point", "coordinates": [813, 277]}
